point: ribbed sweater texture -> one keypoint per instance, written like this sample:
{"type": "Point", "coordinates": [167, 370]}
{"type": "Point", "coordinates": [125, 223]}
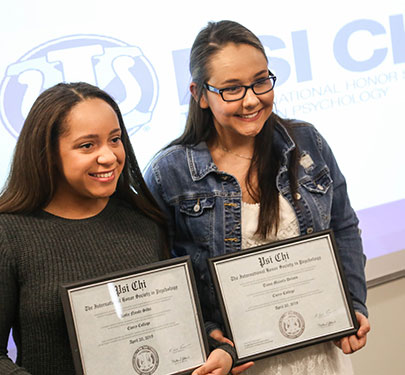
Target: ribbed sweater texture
{"type": "Point", "coordinates": [38, 253]}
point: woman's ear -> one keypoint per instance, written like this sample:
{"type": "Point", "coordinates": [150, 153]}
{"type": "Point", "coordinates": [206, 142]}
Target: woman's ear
{"type": "Point", "coordinates": [203, 101]}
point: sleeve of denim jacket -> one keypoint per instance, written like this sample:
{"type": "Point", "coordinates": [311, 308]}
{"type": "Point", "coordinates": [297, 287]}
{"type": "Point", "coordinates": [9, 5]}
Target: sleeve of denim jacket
{"type": "Point", "coordinates": [344, 223]}
{"type": "Point", "coordinates": [153, 179]}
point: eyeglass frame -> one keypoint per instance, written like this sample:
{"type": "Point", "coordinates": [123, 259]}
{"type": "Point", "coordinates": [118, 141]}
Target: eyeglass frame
{"type": "Point", "coordinates": [246, 87]}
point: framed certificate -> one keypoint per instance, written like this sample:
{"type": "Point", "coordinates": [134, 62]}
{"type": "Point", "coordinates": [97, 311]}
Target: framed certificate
{"type": "Point", "coordinates": [283, 296]}
{"type": "Point", "coordinates": [143, 321]}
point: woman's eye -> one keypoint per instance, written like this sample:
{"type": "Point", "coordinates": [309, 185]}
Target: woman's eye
{"type": "Point", "coordinates": [116, 139]}
{"type": "Point", "coordinates": [262, 82]}
{"type": "Point", "coordinates": [86, 145]}
{"type": "Point", "coordinates": [233, 90]}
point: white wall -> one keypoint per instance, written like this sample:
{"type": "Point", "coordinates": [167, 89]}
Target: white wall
{"type": "Point", "coordinates": [384, 353]}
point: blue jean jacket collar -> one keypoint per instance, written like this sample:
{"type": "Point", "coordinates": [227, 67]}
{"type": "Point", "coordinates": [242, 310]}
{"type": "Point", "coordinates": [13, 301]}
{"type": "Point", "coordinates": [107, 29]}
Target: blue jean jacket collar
{"type": "Point", "coordinates": [201, 164]}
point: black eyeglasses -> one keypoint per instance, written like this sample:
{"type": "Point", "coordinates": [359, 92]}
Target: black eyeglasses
{"type": "Point", "coordinates": [234, 93]}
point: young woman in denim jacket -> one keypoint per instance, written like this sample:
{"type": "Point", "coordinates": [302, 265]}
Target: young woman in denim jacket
{"type": "Point", "coordinates": [240, 176]}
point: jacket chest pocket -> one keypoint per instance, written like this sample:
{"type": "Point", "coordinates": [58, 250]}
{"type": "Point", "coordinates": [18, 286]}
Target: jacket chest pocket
{"type": "Point", "coordinates": [196, 218]}
{"type": "Point", "coordinates": [320, 183]}
{"type": "Point", "coordinates": [318, 192]}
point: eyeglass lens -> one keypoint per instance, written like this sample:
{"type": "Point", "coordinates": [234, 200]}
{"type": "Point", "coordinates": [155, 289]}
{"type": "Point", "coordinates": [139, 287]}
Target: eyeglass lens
{"type": "Point", "coordinates": [238, 92]}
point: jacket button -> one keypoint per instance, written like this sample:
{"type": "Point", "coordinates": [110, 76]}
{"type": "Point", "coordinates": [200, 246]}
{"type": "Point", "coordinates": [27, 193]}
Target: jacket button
{"type": "Point", "coordinates": [310, 230]}
{"type": "Point", "coordinates": [320, 187]}
{"type": "Point", "coordinates": [297, 196]}
{"type": "Point", "coordinates": [196, 208]}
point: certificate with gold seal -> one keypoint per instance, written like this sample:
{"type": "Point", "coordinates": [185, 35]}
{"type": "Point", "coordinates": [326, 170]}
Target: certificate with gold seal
{"type": "Point", "coordinates": [283, 296]}
{"type": "Point", "coordinates": [145, 321]}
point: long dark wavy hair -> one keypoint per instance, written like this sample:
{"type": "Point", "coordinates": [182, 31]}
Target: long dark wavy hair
{"type": "Point", "coordinates": [33, 176]}
{"type": "Point", "coordinates": [200, 127]}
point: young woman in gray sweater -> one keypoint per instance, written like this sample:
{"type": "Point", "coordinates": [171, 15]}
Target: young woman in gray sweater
{"type": "Point", "coordinates": [75, 206]}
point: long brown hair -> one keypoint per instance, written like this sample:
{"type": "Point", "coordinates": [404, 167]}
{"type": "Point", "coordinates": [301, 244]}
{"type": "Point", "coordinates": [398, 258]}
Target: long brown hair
{"type": "Point", "coordinates": [32, 180]}
{"type": "Point", "coordinates": [199, 125]}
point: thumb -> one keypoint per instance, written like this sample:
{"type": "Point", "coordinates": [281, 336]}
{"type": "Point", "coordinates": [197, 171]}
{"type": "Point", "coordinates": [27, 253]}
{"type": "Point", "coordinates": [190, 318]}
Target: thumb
{"type": "Point", "coordinates": [217, 334]}
{"type": "Point", "coordinates": [203, 370]}
{"type": "Point", "coordinates": [364, 325]}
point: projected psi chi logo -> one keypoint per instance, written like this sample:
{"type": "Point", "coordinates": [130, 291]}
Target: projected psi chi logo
{"type": "Point", "coordinates": [115, 66]}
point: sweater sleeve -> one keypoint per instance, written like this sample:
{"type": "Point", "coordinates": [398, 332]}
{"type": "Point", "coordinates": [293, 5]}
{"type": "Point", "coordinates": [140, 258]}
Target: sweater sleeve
{"type": "Point", "coordinates": [214, 344]}
{"type": "Point", "coordinates": [8, 306]}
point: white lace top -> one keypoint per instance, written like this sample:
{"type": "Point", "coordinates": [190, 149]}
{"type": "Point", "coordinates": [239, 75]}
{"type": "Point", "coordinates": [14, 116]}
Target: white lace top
{"type": "Point", "coordinates": [321, 359]}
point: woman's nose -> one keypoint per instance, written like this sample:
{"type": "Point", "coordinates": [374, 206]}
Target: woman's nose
{"type": "Point", "coordinates": [106, 156]}
{"type": "Point", "coordinates": [250, 98]}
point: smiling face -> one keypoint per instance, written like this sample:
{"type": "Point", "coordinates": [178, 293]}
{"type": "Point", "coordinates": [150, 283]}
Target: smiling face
{"type": "Point", "coordinates": [91, 154]}
{"type": "Point", "coordinates": [238, 64]}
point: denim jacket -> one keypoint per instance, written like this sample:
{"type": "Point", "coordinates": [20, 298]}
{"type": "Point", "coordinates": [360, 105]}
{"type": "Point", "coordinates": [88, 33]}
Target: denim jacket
{"type": "Point", "coordinates": [203, 207]}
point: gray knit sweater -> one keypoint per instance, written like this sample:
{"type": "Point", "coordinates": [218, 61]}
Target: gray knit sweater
{"type": "Point", "coordinates": [37, 254]}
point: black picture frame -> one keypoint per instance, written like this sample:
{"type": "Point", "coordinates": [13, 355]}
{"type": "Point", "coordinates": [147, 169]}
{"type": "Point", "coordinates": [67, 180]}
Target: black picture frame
{"type": "Point", "coordinates": [226, 295]}
{"type": "Point", "coordinates": [182, 265]}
